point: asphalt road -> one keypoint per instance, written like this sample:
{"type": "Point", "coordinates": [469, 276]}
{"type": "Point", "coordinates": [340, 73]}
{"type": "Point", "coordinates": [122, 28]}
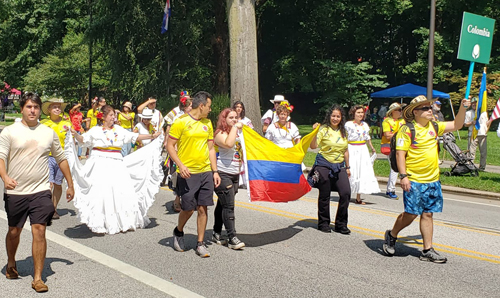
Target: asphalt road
{"type": "Point", "coordinates": [285, 255]}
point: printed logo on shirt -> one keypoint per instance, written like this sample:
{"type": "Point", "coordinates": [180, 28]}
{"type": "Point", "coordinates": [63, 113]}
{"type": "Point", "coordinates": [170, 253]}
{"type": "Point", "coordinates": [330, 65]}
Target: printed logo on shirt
{"type": "Point", "coordinates": [432, 134]}
{"type": "Point", "coordinates": [205, 128]}
{"type": "Point", "coordinates": [400, 142]}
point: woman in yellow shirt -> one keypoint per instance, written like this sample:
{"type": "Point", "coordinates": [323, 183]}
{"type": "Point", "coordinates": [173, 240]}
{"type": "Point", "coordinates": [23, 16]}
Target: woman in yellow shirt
{"type": "Point", "coordinates": [126, 120]}
{"type": "Point", "coordinates": [331, 170]}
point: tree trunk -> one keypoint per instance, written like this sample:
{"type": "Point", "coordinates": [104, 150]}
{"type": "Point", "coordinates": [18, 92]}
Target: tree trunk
{"type": "Point", "coordinates": [220, 46]}
{"type": "Point", "coordinates": [243, 53]}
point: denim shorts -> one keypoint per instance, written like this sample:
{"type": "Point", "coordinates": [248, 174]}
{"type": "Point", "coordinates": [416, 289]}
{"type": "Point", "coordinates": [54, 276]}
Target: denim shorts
{"type": "Point", "coordinates": [423, 197]}
{"type": "Point", "coordinates": [55, 174]}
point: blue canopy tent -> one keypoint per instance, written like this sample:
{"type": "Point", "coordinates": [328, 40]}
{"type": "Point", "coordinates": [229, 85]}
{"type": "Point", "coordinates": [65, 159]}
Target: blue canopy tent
{"type": "Point", "coordinates": [411, 91]}
{"type": "Point", "coordinates": [407, 91]}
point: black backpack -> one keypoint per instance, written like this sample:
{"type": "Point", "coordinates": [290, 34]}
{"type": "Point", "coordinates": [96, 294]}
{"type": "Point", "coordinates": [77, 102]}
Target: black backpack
{"type": "Point", "coordinates": [392, 154]}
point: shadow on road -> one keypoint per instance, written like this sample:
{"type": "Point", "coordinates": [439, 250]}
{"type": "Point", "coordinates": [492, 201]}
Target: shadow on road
{"type": "Point", "coordinates": [152, 224]}
{"type": "Point", "coordinates": [81, 232]}
{"type": "Point", "coordinates": [269, 237]}
{"type": "Point", "coordinates": [402, 250]}
{"type": "Point", "coordinates": [169, 208]}
{"type": "Point", "coordinates": [25, 267]}
{"type": "Point", "coordinates": [63, 212]}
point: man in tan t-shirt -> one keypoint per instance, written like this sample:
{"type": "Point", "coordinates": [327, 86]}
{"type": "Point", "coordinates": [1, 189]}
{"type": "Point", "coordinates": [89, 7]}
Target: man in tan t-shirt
{"type": "Point", "coordinates": [25, 148]}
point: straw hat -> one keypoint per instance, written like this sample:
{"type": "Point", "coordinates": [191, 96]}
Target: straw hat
{"type": "Point", "coordinates": [394, 106]}
{"type": "Point", "coordinates": [146, 114]}
{"type": "Point", "coordinates": [277, 98]}
{"type": "Point", "coordinates": [417, 101]}
{"type": "Point", "coordinates": [127, 104]}
{"type": "Point", "coordinates": [47, 103]}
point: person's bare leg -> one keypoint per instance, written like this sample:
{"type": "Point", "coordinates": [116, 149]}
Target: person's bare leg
{"type": "Point", "coordinates": [403, 220]}
{"type": "Point", "coordinates": [12, 243]}
{"type": "Point", "coordinates": [39, 249]}
{"type": "Point", "coordinates": [184, 216]}
{"type": "Point", "coordinates": [202, 222]}
{"type": "Point", "coordinates": [427, 229]}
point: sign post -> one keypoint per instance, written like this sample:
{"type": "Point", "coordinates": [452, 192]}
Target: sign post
{"type": "Point", "coordinates": [476, 37]}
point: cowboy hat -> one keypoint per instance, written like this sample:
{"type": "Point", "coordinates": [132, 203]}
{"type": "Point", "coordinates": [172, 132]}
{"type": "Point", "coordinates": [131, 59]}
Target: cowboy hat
{"type": "Point", "coordinates": [277, 98]}
{"type": "Point", "coordinates": [417, 101]}
{"type": "Point", "coordinates": [48, 102]}
{"type": "Point", "coordinates": [394, 106]}
{"type": "Point", "coordinates": [146, 114]}
{"type": "Point", "coordinates": [127, 104]}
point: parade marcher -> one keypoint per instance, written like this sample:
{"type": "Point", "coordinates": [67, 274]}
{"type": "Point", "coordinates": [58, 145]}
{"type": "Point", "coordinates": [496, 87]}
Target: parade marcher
{"type": "Point", "coordinates": [390, 127]}
{"type": "Point", "coordinates": [270, 116]}
{"type": "Point", "coordinates": [54, 108]}
{"type": "Point", "coordinates": [183, 108]}
{"type": "Point", "coordinates": [196, 164]}
{"type": "Point", "coordinates": [228, 164]}
{"type": "Point", "coordinates": [331, 170]}
{"type": "Point", "coordinates": [91, 119]}
{"type": "Point", "coordinates": [114, 193]}
{"type": "Point", "coordinates": [26, 180]}
{"type": "Point", "coordinates": [144, 127]}
{"type": "Point", "coordinates": [417, 161]}
{"type": "Point", "coordinates": [283, 133]}
{"type": "Point", "coordinates": [157, 120]}
{"type": "Point", "coordinates": [76, 120]}
{"type": "Point", "coordinates": [362, 179]}
{"type": "Point", "coordinates": [374, 124]}
{"type": "Point", "coordinates": [126, 120]}
{"type": "Point", "coordinates": [239, 107]}
{"type": "Point", "coordinates": [481, 137]}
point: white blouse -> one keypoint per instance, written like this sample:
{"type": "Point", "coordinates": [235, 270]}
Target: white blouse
{"type": "Point", "coordinates": [281, 137]}
{"type": "Point", "coordinates": [115, 137]}
{"type": "Point", "coordinates": [357, 132]}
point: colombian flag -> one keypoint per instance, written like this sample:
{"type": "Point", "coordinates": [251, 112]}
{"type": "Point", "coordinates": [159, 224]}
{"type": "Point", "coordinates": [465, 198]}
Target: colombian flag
{"type": "Point", "coordinates": [482, 105]}
{"type": "Point", "coordinates": [274, 174]}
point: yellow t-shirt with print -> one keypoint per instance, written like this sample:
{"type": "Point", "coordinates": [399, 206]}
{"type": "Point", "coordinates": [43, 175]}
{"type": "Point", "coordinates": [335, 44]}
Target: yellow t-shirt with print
{"type": "Point", "coordinates": [193, 136]}
{"type": "Point", "coordinates": [390, 125]}
{"type": "Point", "coordinates": [93, 119]}
{"type": "Point", "coordinates": [421, 156]}
{"type": "Point", "coordinates": [127, 124]}
{"type": "Point", "coordinates": [61, 128]}
{"type": "Point", "coordinates": [331, 144]}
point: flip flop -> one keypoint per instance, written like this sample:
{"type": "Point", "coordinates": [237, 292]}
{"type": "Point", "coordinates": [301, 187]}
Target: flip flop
{"type": "Point", "coordinates": [360, 202]}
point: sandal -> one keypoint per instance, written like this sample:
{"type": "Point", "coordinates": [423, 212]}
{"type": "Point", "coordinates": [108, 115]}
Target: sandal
{"type": "Point", "coordinates": [360, 202]}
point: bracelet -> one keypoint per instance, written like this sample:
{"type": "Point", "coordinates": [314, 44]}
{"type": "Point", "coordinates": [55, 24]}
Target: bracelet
{"type": "Point", "coordinates": [347, 168]}
{"type": "Point", "coordinates": [213, 172]}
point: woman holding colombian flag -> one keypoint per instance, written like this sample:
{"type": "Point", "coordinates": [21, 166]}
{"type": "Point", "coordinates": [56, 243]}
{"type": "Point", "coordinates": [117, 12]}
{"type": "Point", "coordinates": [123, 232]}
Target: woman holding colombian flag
{"type": "Point", "coordinates": [228, 164]}
{"type": "Point", "coordinates": [331, 169]}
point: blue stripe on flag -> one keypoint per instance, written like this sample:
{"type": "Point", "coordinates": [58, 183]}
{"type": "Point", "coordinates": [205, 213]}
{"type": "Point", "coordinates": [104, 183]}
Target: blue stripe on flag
{"type": "Point", "coordinates": [274, 171]}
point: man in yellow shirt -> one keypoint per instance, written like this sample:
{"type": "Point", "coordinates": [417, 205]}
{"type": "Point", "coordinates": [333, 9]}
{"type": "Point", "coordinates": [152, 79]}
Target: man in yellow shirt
{"type": "Point", "coordinates": [419, 173]}
{"type": "Point", "coordinates": [390, 127]}
{"type": "Point", "coordinates": [197, 167]}
{"type": "Point", "coordinates": [54, 108]}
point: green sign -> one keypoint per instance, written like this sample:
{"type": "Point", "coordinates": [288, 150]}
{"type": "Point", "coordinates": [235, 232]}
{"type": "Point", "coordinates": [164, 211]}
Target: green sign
{"type": "Point", "coordinates": [476, 37]}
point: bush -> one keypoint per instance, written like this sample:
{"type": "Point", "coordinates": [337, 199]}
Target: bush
{"type": "Point", "coordinates": [219, 103]}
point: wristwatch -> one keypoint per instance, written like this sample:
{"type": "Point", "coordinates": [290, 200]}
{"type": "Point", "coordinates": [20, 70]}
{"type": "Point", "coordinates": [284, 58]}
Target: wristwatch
{"type": "Point", "coordinates": [401, 176]}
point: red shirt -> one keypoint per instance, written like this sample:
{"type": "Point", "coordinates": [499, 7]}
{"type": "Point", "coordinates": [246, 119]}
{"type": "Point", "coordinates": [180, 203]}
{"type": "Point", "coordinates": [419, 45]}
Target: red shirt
{"type": "Point", "coordinates": [76, 120]}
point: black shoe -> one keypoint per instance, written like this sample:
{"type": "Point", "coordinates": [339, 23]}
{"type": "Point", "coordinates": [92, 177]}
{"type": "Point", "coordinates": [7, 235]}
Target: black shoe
{"type": "Point", "coordinates": [325, 229]}
{"type": "Point", "coordinates": [343, 230]}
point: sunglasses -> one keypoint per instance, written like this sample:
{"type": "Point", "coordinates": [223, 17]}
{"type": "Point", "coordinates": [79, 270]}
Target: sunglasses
{"type": "Point", "coordinates": [425, 109]}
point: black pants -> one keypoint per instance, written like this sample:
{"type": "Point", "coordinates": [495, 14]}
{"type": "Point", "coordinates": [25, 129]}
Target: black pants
{"type": "Point", "coordinates": [340, 183]}
{"type": "Point", "coordinates": [224, 211]}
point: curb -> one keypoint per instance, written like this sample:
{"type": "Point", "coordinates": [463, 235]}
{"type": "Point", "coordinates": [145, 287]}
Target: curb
{"type": "Point", "coordinates": [458, 190]}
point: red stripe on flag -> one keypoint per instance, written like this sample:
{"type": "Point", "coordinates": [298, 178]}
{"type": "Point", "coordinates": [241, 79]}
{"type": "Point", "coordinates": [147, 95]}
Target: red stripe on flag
{"type": "Point", "coordinates": [496, 112]}
{"type": "Point", "coordinates": [277, 192]}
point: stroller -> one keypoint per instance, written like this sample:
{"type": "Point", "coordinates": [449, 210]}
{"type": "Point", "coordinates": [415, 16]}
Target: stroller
{"type": "Point", "coordinates": [464, 163]}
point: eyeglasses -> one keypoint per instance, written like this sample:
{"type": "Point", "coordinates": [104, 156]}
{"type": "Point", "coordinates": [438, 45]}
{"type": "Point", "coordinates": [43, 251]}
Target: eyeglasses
{"type": "Point", "coordinates": [425, 109]}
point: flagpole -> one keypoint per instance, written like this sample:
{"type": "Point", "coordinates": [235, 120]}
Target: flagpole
{"type": "Point", "coordinates": [469, 79]}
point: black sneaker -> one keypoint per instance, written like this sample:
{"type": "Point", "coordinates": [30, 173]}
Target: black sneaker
{"type": "Point", "coordinates": [235, 243]}
{"type": "Point", "coordinates": [432, 256]}
{"type": "Point", "coordinates": [343, 230]}
{"type": "Point", "coordinates": [217, 239]}
{"type": "Point", "coordinates": [389, 246]}
{"type": "Point", "coordinates": [325, 229]}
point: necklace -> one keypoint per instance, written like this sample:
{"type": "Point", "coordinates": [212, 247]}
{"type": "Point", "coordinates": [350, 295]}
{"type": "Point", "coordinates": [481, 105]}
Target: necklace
{"type": "Point", "coordinates": [105, 131]}
{"type": "Point", "coordinates": [279, 131]}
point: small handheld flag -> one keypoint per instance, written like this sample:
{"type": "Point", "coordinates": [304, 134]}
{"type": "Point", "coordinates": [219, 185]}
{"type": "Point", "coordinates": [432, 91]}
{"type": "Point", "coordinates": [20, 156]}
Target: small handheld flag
{"type": "Point", "coordinates": [481, 105]}
{"type": "Point", "coordinates": [496, 112]}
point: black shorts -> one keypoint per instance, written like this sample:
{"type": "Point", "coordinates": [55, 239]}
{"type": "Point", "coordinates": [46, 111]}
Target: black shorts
{"type": "Point", "coordinates": [37, 206]}
{"type": "Point", "coordinates": [197, 190]}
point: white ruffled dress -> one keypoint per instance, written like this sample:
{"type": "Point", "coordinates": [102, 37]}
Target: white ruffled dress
{"type": "Point", "coordinates": [113, 193]}
{"type": "Point", "coordinates": [362, 180]}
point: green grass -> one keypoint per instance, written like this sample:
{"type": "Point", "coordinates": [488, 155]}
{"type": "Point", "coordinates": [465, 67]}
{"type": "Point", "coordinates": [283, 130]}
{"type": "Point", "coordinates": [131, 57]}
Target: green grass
{"type": "Point", "coordinates": [493, 145]}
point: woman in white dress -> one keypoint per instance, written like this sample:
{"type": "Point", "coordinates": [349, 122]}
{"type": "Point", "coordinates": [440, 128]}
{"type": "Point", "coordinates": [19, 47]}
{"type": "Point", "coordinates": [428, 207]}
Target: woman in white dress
{"type": "Point", "coordinates": [113, 193]}
{"type": "Point", "coordinates": [283, 133]}
{"type": "Point", "coordinates": [362, 177]}
{"type": "Point", "coordinates": [144, 127]}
